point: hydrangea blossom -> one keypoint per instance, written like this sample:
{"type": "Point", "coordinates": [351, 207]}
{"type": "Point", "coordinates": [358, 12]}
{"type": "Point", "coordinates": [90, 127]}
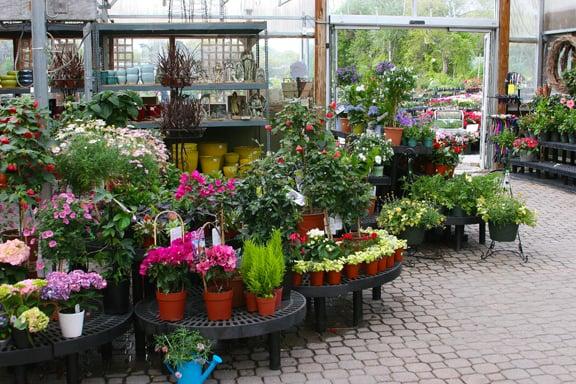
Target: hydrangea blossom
{"type": "Point", "coordinates": [14, 252]}
{"type": "Point", "coordinates": [61, 285]}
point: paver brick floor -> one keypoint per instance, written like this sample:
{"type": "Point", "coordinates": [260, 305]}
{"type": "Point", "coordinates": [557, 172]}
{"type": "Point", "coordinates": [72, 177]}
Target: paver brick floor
{"type": "Point", "coordinates": [449, 318]}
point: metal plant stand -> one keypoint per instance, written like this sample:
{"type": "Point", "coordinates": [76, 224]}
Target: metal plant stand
{"type": "Point", "coordinates": [242, 324]}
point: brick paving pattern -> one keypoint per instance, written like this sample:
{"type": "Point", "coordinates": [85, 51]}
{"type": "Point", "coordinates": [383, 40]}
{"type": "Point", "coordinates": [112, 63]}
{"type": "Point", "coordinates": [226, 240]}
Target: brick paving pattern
{"type": "Point", "coordinates": [449, 318]}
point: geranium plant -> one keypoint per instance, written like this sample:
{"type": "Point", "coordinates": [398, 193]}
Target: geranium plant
{"type": "Point", "coordinates": [399, 215]}
{"type": "Point", "coordinates": [216, 266]}
{"type": "Point", "coordinates": [65, 226]}
{"type": "Point", "coordinates": [25, 159]}
{"type": "Point", "coordinates": [528, 144]}
{"type": "Point", "coordinates": [73, 290]}
{"type": "Point", "coordinates": [169, 266]}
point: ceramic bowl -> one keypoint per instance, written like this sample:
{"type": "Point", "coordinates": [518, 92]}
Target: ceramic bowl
{"type": "Point", "coordinates": [210, 164]}
{"type": "Point", "coordinates": [230, 170]}
{"type": "Point", "coordinates": [248, 152]}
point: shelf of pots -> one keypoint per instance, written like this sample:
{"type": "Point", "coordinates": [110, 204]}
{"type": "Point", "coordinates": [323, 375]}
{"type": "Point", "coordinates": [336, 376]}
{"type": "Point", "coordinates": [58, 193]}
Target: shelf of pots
{"type": "Point", "coordinates": [409, 219]}
{"type": "Point", "coordinates": [186, 353]}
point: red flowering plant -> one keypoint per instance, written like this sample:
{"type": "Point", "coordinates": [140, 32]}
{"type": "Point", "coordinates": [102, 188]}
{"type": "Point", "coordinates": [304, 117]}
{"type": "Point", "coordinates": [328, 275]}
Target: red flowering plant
{"type": "Point", "coordinates": [169, 266]}
{"type": "Point", "coordinates": [352, 242]}
{"type": "Point", "coordinates": [447, 148]}
{"type": "Point", "coordinates": [65, 228]}
{"type": "Point", "coordinates": [25, 160]}
{"type": "Point", "coordinates": [216, 265]}
{"type": "Point", "coordinates": [213, 197]}
{"type": "Point", "coordinates": [528, 144]}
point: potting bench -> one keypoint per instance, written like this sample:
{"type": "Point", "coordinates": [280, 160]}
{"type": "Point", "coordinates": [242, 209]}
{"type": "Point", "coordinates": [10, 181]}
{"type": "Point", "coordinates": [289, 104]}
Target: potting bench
{"type": "Point", "coordinates": [459, 222]}
{"type": "Point", "coordinates": [318, 294]}
{"type": "Point", "coordinates": [99, 329]}
{"type": "Point", "coordinates": [242, 324]}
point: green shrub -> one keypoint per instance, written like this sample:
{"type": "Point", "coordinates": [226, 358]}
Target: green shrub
{"type": "Point", "coordinates": [263, 266]}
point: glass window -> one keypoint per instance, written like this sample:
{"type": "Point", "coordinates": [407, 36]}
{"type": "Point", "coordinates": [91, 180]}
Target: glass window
{"type": "Point", "coordinates": [523, 61]}
{"type": "Point", "coordinates": [457, 8]}
{"type": "Point", "coordinates": [524, 18]}
{"type": "Point", "coordinates": [370, 7]}
{"type": "Point", "coordinates": [559, 15]}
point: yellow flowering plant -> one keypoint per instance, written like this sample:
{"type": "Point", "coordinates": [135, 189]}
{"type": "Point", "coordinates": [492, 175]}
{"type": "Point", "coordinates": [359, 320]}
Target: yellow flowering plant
{"type": "Point", "coordinates": [355, 258]}
{"type": "Point", "coordinates": [505, 209]}
{"type": "Point", "coordinates": [399, 215]}
{"type": "Point", "coordinates": [301, 266]}
{"type": "Point", "coordinates": [333, 265]}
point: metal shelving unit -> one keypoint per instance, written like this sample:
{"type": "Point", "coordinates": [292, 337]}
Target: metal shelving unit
{"type": "Point", "coordinates": [251, 32]}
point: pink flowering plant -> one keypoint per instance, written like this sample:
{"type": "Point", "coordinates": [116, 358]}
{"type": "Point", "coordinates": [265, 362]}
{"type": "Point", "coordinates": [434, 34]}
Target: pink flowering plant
{"type": "Point", "coordinates": [65, 228]}
{"type": "Point", "coordinates": [13, 255]}
{"type": "Point", "coordinates": [169, 266]}
{"type": "Point", "coordinates": [212, 197]}
{"type": "Point", "coordinates": [528, 144]}
{"type": "Point", "coordinates": [215, 266]}
{"type": "Point", "coordinates": [76, 288]}
{"type": "Point", "coordinates": [22, 305]}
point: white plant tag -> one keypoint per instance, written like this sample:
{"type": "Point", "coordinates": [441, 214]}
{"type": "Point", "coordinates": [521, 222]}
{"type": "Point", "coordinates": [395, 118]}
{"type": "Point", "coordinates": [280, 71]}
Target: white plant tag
{"type": "Point", "coordinates": [296, 197]}
{"type": "Point", "coordinates": [341, 141]}
{"type": "Point", "coordinates": [77, 308]}
{"type": "Point", "coordinates": [336, 224]}
{"type": "Point", "coordinates": [340, 109]}
{"type": "Point", "coordinates": [216, 237]}
{"type": "Point", "coordinates": [175, 234]}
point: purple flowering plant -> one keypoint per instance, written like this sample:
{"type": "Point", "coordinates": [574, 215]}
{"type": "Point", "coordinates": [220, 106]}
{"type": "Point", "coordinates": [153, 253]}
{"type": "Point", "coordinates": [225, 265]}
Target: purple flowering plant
{"type": "Point", "coordinates": [73, 288]}
{"type": "Point", "coordinates": [347, 75]}
{"type": "Point", "coordinates": [65, 227]}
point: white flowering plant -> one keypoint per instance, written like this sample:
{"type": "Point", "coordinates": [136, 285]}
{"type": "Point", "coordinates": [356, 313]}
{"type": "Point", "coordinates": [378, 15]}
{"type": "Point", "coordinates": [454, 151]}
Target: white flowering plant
{"type": "Point", "coordinates": [301, 266]}
{"type": "Point", "coordinates": [333, 265]}
{"type": "Point", "coordinates": [370, 149]}
{"type": "Point", "coordinates": [93, 154]}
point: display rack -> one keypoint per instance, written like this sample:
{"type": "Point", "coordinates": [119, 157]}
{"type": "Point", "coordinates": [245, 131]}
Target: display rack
{"type": "Point", "coordinates": [249, 33]}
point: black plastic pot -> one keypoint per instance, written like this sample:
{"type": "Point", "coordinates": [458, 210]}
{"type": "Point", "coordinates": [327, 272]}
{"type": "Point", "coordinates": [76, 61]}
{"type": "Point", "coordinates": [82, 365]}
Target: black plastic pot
{"type": "Point", "coordinates": [21, 339]}
{"type": "Point", "coordinates": [457, 212]}
{"type": "Point", "coordinates": [287, 285]}
{"type": "Point", "coordinates": [414, 236]}
{"type": "Point", "coordinates": [117, 297]}
{"type": "Point", "coordinates": [504, 232]}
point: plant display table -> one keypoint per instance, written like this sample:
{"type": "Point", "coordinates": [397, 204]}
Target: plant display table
{"type": "Point", "coordinates": [99, 329]}
{"type": "Point", "coordinates": [319, 293]}
{"type": "Point", "coordinates": [459, 222]}
{"type": "Point", "coordinates": [556, 158]}
{"type": "Point", "coordinates": [242, 324]}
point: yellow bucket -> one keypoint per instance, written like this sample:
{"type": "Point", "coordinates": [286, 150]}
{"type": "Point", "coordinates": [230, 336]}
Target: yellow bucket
{"type": "Point", "coordinates": [210, 164]}
{"type": "Point", "coordinates": [247, 152]}
{"type": "Point", "coordinates": [212, 149]}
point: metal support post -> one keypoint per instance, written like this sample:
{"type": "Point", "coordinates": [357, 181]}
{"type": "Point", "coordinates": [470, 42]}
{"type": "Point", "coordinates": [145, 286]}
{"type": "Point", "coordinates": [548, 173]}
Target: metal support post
{"type": "Point", "coordinates": [39, 52]}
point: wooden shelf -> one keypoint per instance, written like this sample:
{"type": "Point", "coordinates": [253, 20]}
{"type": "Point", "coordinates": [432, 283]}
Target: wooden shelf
{"type": "Point", "coordinates": [546, 166]}
{"type": "Point", "coordinates": [14, 91]}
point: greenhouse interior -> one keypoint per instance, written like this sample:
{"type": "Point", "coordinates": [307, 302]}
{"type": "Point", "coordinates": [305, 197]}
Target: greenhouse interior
{"type": "Point", "coordinates": [287, 191]}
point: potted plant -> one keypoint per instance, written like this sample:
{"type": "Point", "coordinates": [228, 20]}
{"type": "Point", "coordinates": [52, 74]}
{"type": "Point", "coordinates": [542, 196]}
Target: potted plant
{"type": "Point", "coordinates": [299, 268]}
{"type": "Point", "coordinates": [74, 293]}
{"type": "Point", "coordinates": [169, 268]}
{"type": "Point", "coordinates": [333, 270]}
{"type": "Point", "coordinates": [215, 266]}
{"type": "Point", "coordinates": [526, 148]}
{"type": "Point", "coordinates": [4, 331]}
{"type": "Point", "coordinates": [115, 107]}
{"type": "Point", "coordinates": [20, 304]}
{"type": "Point", "coordinates": [186, 352]}
{"type": "Point", "coordinates": [250, 250]}
{"type": "Point", "coordinates": [504, 214]}
{"type": "Point", "coordinates": [67, 69]}
{"type": "Point", "coordinates": [265, 275]}
{"type": "Point", "coordinates": [395, 85]}
{"type": "Point", "coordinates": [352, 266]}
{"type": "Point", "coordinates": [13, 255]}
{"type": "Point", "coordinates": [66, 226]}
{"type": "Point", "coordinates": [446, 153]}
{"type": "Point", "coordinates": [371, 152]}
{"type": "Point", "coordinates": [409, 219]}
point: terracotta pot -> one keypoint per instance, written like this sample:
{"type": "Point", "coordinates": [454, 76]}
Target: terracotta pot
{"type": "Point", "coordinates": [237, 286]}
{"type": "Point", "coordinates": [372, 206]}
{"type": "Point", "coordinates": [399, 255]}
{"type": "Point", "coordinates": [278, 297]}
{"type": "Point", "coordinates": [296, 279]}
{"type": "Point", "coordinates": [218, 305]}
{"type": "Point", "coordinates": [345, 125]}
{"type": "Point", "coordinates": [390, 261]}
{"type": "Point", "coordinates": [382, 264]}
{"type": "Point", "coordinates": [266, 306]}
{"type": "Point", "coordinates": [251, 305]}
{"type": "Point", "coordinates": [445, 170]}
{"type": "Point", "coordinates": [371, 268]}
{"type": "Point", "coordinates": [317, 278]}
{"type": "Point", "coordinates": [171, 306]}
{"type": "Point", "coordinates": [310, 221]}
{"type": "Point", "coordinates": [429, 168]}
{"type": "Point", "coordinates": [3, 180]}
{"type": "Point", "coordinates": [394, 134]}
{"type": "Point", "coordinates": [334, 277]}
{"type": "Point", "coordinates": [352, 271]}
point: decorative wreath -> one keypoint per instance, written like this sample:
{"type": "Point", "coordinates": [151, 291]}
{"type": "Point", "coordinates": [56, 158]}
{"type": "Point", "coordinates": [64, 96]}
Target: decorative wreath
{"type": "Point", "coordinates": [561, 54]}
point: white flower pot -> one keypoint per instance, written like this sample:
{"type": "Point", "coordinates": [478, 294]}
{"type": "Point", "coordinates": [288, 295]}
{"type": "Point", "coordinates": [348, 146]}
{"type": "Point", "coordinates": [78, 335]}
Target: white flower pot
{"type": "Point", "coordinates": [71, 324]}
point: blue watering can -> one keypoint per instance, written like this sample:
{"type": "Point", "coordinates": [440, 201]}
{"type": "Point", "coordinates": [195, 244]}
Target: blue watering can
{"type": "Point", "coordinates": [192, 371]}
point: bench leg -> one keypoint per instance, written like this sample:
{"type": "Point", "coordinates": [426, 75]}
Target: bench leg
{"type": "Point", "coordinates": [320, 313]}
{"type": "Point", "coordinates": [482, 233]}
{"type": "Point", "coordinates": [377, 293]}
{"type": "Point", "coordinates": [274, 350]}
{"type": "Point", "coordinates": [357, 308]}
{"type": "Point", "coordinates": [459, 235]}
{"type": "Point", "coordinates": [20, 374]}
{"type": "Point", "coordinates": [72, 369]}
{"type": "Point", "coordinates": [139, 341]}
{"type": "Point", "coordinates": [106, 353]}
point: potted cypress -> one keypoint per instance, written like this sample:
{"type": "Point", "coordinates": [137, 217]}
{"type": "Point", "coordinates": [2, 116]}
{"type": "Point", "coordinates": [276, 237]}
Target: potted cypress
{"type": "Point", "coordinates": [504, 214]}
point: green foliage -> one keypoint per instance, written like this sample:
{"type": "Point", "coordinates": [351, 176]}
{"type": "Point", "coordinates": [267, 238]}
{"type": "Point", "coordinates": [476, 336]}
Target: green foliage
{"type": "Point", "coordinates": [505, 139]}
{"type": "Point", "coordinates": [265, 266]}
{"type": "Point", "coordinates": [115, 107]}
{"type": "Point", "coordinates": [569, 78]}
{"type": "Point", "coordinates": [505, 209]}
{"type": "Point", "coordinates": [182, 346]}
{"type": "Point", "coordinates": [400, 215]}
